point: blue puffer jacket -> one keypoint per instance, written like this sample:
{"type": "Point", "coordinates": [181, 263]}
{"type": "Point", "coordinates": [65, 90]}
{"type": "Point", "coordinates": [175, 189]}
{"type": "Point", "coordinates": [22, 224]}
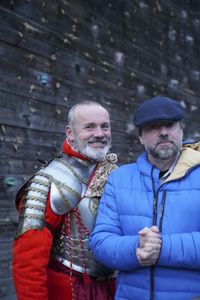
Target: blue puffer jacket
{"type": "Point", "coordinates": [133, 199]}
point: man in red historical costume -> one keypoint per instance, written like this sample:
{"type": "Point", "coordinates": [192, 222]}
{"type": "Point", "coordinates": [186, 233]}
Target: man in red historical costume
{"type": "Point", "coordinates": [57, 209]}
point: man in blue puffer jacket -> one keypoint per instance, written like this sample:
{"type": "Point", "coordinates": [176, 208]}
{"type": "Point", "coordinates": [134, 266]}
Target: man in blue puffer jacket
{"type": "Point", "coordinates": [148, 224]}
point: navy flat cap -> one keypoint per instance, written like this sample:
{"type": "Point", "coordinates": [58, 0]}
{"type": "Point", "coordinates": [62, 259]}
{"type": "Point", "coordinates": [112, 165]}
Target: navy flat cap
{"type": "Point", "coordinates": [158, 109]}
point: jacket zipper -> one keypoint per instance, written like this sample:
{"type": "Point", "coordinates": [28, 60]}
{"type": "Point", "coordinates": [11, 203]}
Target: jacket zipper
{"type": "Point", "coordinates": [152, 270]}
{"type": "Point", "coordinates": [162, 210]}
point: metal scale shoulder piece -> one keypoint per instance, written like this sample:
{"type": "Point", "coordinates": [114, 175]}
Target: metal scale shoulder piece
{"type": "Point", "coordinates": [33, 195]}
{"type": "Point", "coordinates": [64, 178]}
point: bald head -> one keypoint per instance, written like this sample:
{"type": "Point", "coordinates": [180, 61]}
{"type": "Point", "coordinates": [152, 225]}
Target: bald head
{"type": "Point", "coordinates": [78, 107]}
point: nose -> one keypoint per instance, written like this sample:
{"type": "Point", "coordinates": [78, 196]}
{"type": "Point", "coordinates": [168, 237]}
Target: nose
{"type": "Point", "coordinates": [98, 131]}
{"type": "Point", "coordinates": [163, 130]}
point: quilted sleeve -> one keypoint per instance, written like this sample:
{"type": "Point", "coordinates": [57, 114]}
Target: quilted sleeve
{"type": "Point", "coordinates": [30, 259]}
{"type": "Point", "coordinates": [180, 251]}
{"type": "Point", "coordinates": [109, 245]}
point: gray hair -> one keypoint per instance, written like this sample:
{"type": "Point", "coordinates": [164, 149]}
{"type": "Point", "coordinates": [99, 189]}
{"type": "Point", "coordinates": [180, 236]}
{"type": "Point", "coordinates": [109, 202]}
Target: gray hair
{"type": "Point", "coordinates": [72, 110]}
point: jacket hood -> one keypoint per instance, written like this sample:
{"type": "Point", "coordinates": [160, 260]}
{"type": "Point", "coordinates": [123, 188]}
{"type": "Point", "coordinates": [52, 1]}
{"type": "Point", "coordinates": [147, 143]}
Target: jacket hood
{"type": "Point", "coordinates": [189, 158]}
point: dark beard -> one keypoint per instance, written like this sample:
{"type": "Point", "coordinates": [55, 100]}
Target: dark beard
{"type": "Point", "coordinates": [164, 153]}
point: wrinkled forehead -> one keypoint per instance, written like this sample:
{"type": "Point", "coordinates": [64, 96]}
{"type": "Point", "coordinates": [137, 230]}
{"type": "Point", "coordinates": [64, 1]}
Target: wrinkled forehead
{"type": "Point", "coordinates": [91, 114]}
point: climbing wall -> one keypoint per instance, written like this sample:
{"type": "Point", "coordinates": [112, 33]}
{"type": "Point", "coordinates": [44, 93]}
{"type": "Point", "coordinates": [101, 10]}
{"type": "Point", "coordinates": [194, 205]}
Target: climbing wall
{"type": "Point", "coordinates": [55, 53]}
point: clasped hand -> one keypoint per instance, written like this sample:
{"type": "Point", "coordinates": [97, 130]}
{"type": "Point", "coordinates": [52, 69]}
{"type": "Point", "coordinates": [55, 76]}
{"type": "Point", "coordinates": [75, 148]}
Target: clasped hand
{"type": "Point", "coordinates": [149, 246]}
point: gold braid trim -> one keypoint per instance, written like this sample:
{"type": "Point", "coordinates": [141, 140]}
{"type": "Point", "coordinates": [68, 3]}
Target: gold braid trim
{"type": "Point", "coordinates": [104, 168]}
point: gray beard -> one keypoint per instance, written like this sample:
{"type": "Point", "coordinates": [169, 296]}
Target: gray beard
{"type": "Point", "coordinates": [87, 151]}
{"type": "Point", "coordinates": [165, 153]}
{"type": "Point", "coordinates": [95, 155]}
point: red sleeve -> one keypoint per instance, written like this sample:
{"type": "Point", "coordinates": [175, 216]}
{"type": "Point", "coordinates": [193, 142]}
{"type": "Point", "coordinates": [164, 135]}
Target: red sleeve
{"type": "Point", "coordinates": [31, 253]}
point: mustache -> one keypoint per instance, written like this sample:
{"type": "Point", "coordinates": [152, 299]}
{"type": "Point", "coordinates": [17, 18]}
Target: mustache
{"type": "Point", "coordinates": [164, 139]}
{"type": "Point", "coordinates": [102, 140]}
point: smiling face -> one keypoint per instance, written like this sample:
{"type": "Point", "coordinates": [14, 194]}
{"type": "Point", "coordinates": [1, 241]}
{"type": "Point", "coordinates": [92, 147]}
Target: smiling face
{"type": "Point", "coordinates": [162, 141]}
{"type": "Point", "coordinates": [90, 132]}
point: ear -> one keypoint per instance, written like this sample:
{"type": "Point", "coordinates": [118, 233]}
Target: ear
{"type": "Point", "coordinates": [69, 135]}
{"type": "Point", "coordinates": [141, 140]}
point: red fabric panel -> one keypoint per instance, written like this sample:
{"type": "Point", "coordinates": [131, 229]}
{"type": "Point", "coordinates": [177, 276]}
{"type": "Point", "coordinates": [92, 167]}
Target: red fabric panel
{"type": "Point", "coordinates": [30, 258]}
{"type": "Point", "coordinates": [59, 285]}
{"type": "Point", "coordinates": [95, 290]}
{"type": "Point", "coordinates": [31, 252]}
{"type": "Point", "coordinates": [51, 218]}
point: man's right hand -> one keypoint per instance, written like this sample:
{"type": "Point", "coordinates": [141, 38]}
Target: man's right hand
{"type": "Point", "coordinates": [150, 245]}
